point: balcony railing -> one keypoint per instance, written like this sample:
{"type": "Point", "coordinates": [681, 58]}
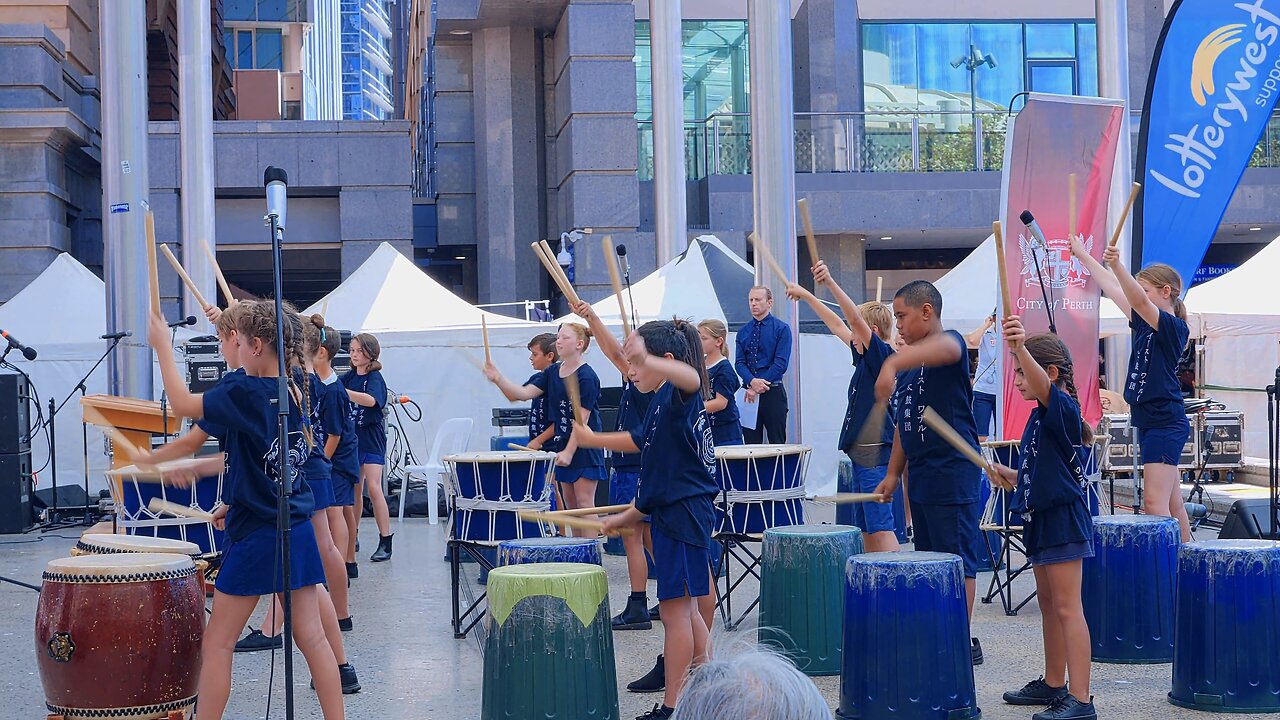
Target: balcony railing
{"type": "Point", "coordinates": [876, 141]}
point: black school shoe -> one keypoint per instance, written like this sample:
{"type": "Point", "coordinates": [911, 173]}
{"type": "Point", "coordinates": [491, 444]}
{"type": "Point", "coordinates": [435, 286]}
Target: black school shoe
{"type": "Point", "coordinates": [1068, 708]}
{"type": "Point", "coordinates": [653, 613]}
{"type": "Point", "coordinates": [255, 641]}
{"type": "Point", "coordinates": [633, 617]}
{"type": "Point", "coordinates": [1036, 692]}
{"type": "Point", "coordinates": [353, 572]}
{"type": "Point", "coordinates": [347, 674]}
{"type": "Point", "coordinates": [383, 553]}
{"type": "Point", "coordinates": [344, 624]}
{"type": "Point", "coordinates": [659, 712]}
{"type": "Point", "coordinates": [975, 651]}
{"type": "Point", "coordinates": [653, 681]}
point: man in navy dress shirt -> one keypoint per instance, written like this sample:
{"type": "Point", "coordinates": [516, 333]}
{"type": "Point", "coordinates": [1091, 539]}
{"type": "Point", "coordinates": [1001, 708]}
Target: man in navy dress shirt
{"type": "Point", "coordinates": [763, 353]}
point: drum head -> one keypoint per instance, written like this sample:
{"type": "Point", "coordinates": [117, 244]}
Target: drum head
{"type": "Point", "coordinates": [131, 567]}
{"type": "Point", "coordinates": [105, 544]}
{"type": "Point", "coordinates": [498, 456]}
{"type": "Point", "coordinates": [744, 452]}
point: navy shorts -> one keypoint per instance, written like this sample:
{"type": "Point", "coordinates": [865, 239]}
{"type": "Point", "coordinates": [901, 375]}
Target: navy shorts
{"type": "Point", "coordinates": [623, 488]}
{"type": "Point", "coordinates": [322, 492]}
{"type": "Point", "coordinates": [877, 517]}
{"type": "Point", "coordinates": [250, 565]}
{"type": "Point", "coordinates": [949, 529]}
{"type": "Point", "coordinates": [1066, 552]}
{"type": "Point", "coordinates": [344, 490]}
{"type": "Point", "coordinates": [572, 475]}
{"type": "Point", "coordinates": [984, 412]}
{"type": "Point", "coordinates": [1163, 444]}
{"type": "Point", "coordinates": [682, 569]}
{"type": "Point", "coordinates": [372, 459]}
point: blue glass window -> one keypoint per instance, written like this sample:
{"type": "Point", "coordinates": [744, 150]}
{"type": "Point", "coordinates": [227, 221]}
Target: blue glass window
{"type": "Point", "coordinates": [1004, 43]}
{"type": "Point", "coordinates": [1046, 40]}
{"type": "Point", "coordinates": [1087, 67]}
{"type": "Point", "coordinates": [715, 60]}
{"type": "Point", "coordinates": [1051, 77]}
{"type": "Point", "coordinates": [272, 11]}
{"type": "Point", "coordinates": [270, 51]}
{"type": "Point", "coordinates": [244, 49]}
{"type": "Point", "coordinates": [239, 10]}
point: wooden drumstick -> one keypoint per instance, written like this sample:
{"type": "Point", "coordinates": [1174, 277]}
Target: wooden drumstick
{"type": "Point", "coordinates": [615, 279]}
{"type": "Point", "coordinates": [603, 510]}
{"type": "Point", "coordinates": [484, 337]}
{"type": "Point", "coordinates": [186, 279]}
{"type": "Point", "coordinates": [949, 434]}
{"type": "Point", "coordinates": [518, 446]}
{"type": "Point", "coordinates": [1124, 215]}
{"type": "Point", "coordinates": [563, 278]}
{"type": "Point", "coordinates": [217, 273]}
{"type": "Point", "coordinates": [573, 523]}
{"type": "Point", "coordinates": [153, 278]}
{"type": "Point", "coordinates": [867, 445]}
{"type": "Point", "coordinates": [846, 498]}
{"type": "Point", "coordinates": [575, 396]}
{"type": "Point", "coordinates": [161, 507]}
{"type": "Point", "coordinates": [879, 289]}
{"type": "Point", "coordinates": [1003, 272]}
{"type": "Point", "coordinates": [764, 253]}
{"type": "Point", "coordinates": [803, 205]}
{"type": "Point", "coordinates": [94, 417]}
{"type": "Point", "coordinates": [1071, 206]}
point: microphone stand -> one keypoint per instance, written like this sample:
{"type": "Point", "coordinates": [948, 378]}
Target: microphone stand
{"type": "Point", "coordinates": [1273, 449]}
{"type": "Point", "coordinates": [626, 279]}
{"type": "Point", "coordinates": [284, 487]}
{"type": "Point", "coordinates": [84, 435]}
{"type": "Point", "coordinates": [164, 396]}
{"type": "Point", "coordinates": [1044, 292]}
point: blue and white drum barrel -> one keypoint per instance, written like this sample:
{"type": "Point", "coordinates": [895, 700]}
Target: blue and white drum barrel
{"type": "Point", "coordinates": [1128, 588]}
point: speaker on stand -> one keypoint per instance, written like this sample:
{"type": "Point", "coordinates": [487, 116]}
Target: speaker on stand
{"type": "Point", "coordinates": [15, 454]}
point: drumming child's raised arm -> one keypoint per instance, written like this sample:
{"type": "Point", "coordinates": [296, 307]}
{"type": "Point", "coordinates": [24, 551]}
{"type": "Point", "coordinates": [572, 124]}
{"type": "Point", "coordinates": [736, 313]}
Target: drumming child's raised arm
{"type": "Point", "coordinates": [181, 399]}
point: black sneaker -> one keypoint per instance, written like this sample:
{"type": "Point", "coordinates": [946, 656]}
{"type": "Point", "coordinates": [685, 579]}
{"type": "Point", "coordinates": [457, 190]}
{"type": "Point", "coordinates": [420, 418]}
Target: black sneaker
{"type": "Point", "coordinates": [353, 571]}
{"type": "Point", "coordinates": [1036, 692]}
{"type": "Point", "coordinates": [344, 624]}
{"type": "Point", "coordinates": [1068, 708]}
{"type": "Point", "coordinates": [654, 681]}
{"type": "Point", "coordinates": [975, 651]}
{"type": "Point", "coordinates": [255, 641]}
{"type": "Point", "coordinates": [653, 613]}
{"type": "Point", "coordinates": [633, 617]}
{"type": "Point", "coordinates": [347, 674]}
{"type": "Point", "coordinates": [659, 712]}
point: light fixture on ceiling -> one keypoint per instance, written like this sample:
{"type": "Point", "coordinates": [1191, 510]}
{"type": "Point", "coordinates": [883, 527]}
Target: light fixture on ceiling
{"type": "Point", "coordinates": [887, 237]}
{"type": "Point", "coordinates": [459, 257]}
{"type": "Point", "coordinates": [1255, 229]}
{"type": "Point", "coordinates": [459, 32]}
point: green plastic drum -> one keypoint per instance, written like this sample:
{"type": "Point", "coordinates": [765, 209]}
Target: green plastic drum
{"type": "Point", "coordinates": [549, 653]}
{"type": "Point", "coordinates": [802, 593]}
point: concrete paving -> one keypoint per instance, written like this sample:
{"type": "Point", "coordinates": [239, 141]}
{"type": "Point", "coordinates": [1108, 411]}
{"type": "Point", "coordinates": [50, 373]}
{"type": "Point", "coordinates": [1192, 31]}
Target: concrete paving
{"type": "Point", "coordinates": [412, 667]}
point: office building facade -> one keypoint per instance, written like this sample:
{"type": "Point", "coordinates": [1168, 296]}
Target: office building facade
{"type": "Point", "coordinates": [368, 68]}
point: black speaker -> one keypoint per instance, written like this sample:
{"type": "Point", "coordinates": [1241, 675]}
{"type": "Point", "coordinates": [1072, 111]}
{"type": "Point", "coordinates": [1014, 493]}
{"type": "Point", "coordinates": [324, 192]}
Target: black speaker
{"type": "Point", "coordinates": [15, 454]}
{"type": "Point", "coordinates": [1248, 520]}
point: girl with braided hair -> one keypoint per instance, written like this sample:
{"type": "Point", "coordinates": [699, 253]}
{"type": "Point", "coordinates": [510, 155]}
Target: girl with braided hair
{"type": "Point", "coordinates": [1050, 491]}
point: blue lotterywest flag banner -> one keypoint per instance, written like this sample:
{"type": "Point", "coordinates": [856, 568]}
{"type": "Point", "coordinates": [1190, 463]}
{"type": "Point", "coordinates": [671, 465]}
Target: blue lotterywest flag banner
{"type": "Point", "coordinates": [1216, 81]}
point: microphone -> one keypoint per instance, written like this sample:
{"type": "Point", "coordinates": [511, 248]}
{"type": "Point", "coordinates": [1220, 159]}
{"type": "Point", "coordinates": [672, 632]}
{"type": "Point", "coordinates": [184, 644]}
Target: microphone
{"type": "Point", "coordinates": [190, 320]}
{"type": "Point", "coordinates": [117, 335]}
{"type": "Point", "coordinates": [1034, 228]}
{"type": "Point", "coordinates": [28, 353]}
{"type": "Point", "coordinates": [276, 181]}
{"type": "Point", "coordinates": [622, 260]}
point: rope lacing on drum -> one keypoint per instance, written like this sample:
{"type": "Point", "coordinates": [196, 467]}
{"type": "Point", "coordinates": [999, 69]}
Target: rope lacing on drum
{"type": "Point", "coordinates": [139, 711]}
{"type": "Point", "coordinates": [119, 579]}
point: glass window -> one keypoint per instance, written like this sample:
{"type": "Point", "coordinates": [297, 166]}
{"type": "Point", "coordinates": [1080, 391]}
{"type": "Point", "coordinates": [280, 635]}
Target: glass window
{"type": "Point", "coordinates": [937, 45]}
{"type": "Point", "coordinates": [244, 49]}
{"type": "Point", "coordinates": [715, 63]}
{"type": "Point", "coordinates": [270, 51]}
{"type": "Point", "coordinates": [1051, 77]}
{"type": "Point", "coordinates": [1051, 40]}
{"type": "Point", "coordinates": [239, 10]}
{"type": "Point", "coordinates": [272, 11]}
{"type": "Point", "coordinates": [1003, 42]}
{"type": "Point", "coordinates": [1087, 67]}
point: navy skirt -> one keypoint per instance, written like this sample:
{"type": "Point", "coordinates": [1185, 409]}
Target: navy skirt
{"type": "Point", "coordinates": [251, 565]}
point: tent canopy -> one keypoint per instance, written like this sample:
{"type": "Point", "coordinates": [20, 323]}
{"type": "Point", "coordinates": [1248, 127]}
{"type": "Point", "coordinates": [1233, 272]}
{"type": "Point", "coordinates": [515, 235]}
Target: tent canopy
{"type": "Point", "coordinates": [64, 305]}
{"type": "Point", "coordinates": [1232, 305]}
{"type": "Point", "coordinates": [389, 293]}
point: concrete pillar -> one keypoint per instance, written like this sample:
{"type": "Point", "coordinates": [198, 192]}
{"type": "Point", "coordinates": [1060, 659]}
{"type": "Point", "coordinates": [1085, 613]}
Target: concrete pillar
{"type": "Point", "coordinates": [667, 73]}
{"type": "Point", "coordinates": [828, 79]}
{"type": "Point", "coordinates": [195, 136]}
{"type": "Point", "coordinates": [507, 64]}
{"type": "Point", "coordinates": [1113, 81]}
{"type": "Point", "coordinates": [773, 167]}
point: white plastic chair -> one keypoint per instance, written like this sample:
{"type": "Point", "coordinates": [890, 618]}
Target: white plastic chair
{"type": "Point", "coordinates": [451, 438]}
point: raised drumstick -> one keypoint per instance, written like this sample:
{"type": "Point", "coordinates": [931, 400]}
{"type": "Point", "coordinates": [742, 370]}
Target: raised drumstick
{"type": "Point", "coordinates": [1002, 271]}
{"type": "Point", "coordinates": [186, 279]}
{"type": "Point", "coordinates": [222, 281]}
{"type": "Point", "coordinates": [570, 522]}
{"type": "Point", "coordinates": [615, 280]}
{"type": "Point", "coordinates": [153, 277]}
{"type": "Point", "coordinates": [575, 396]}
{"type": "Point", "coordinates": [484, 336]}
{"type": "Point", "coordinates": [763, 252]}
{"type": "Point", "coordinates": [162, 507]}
{"type": "Point", "coordinates": [879, 289]}
{"type": "Point", "coordinates": [949, 434]}
{"type": "Point", "coordinates": [94, 417]}
{"type": "Point", "coordinates": [803, 205]}
{"type": "Point", "coordinates": [1124, 215]}
{"type": "Point", "coordinates": [565, 285]}
{"type": "Point", "coordinates": [518, 446]}
{"type": "Point", "coordinates": [846, 498]}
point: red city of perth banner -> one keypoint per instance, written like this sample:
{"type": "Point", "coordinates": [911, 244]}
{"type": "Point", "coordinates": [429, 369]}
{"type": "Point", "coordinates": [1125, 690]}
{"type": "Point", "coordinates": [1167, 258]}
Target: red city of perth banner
{"type": "Point", "coordinates": [1051, 138]}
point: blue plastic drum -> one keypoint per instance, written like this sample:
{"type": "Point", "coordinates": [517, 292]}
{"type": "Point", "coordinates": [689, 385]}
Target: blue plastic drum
{"type": "Point", "coordinates": [911, 607]}
{"type": "Point", "coordinates": [549, 549]}
{"type": "Point", "coordinates": [1128, 588]}
{"type": "Point", "coordinates": [1228, 627]}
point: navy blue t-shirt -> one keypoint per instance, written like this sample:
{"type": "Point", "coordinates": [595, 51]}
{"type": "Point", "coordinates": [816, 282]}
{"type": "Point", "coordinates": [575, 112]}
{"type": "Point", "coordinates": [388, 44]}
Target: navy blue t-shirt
{"type": "Point", "coordinates": [219, 433]}
{"type": "Point", "coordinates": [632, 408]}
{"type": "Point", "coordinates": [862, 397]}
{"type": "Point", "coordinates": [678, 466]}
{"type": "Point", "coordinates": [560, 412]}
{"type": "Point", "coordinates": [334, 408]}
{"type": "Point", "coordinates": [1152, 389]}
{"type": "Point", "coordinates": [243, 406]}
{"type": "Point", "coordinates": [724, 383]}
{"type": "Point", "coordinates": [940, 475]}
{"type": "Point", "coordinates": [317, 466]}
{"type": "Point", "coordinates": [1052, 490]}
{"type": "Point", "coordinates": [371, 422]}
{"type": "Point", "coordinates": [537, 409]}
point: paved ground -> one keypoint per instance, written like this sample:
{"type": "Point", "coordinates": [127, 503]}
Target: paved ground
{"type": "Point", "coordinates": [412, 667]}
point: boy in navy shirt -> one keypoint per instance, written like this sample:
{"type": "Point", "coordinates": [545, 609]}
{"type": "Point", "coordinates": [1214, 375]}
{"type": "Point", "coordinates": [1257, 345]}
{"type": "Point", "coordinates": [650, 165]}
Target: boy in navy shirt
{"type": "Point", "coordinates": [944, 485]}
{"type": "Point", "coordinates": [1050, 494]}
{"type": "Point", "coordinates": [677, 485]}
{"type": "Point", "coordinates": [542, 354]}
{"type": "Point", "coordinates": [866, 335]}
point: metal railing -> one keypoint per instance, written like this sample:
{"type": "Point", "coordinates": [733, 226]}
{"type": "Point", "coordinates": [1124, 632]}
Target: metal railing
{"type": "Point", "coordinates": [875, 141]}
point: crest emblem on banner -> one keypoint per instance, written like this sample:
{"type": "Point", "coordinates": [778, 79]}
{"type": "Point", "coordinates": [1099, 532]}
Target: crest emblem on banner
{"type": "Point", "coordinates": [1058, 266]}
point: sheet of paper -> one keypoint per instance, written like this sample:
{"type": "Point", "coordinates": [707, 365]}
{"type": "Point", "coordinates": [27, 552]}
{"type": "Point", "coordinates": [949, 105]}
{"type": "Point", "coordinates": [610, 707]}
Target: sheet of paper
{"type": "Point", "coordinates": [748, 412]}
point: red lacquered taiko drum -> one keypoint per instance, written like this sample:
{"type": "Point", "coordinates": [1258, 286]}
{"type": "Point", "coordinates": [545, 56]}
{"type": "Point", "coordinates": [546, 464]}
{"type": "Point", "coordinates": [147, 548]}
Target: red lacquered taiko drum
{"type": "Point", "coordinates": [118, 636]}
